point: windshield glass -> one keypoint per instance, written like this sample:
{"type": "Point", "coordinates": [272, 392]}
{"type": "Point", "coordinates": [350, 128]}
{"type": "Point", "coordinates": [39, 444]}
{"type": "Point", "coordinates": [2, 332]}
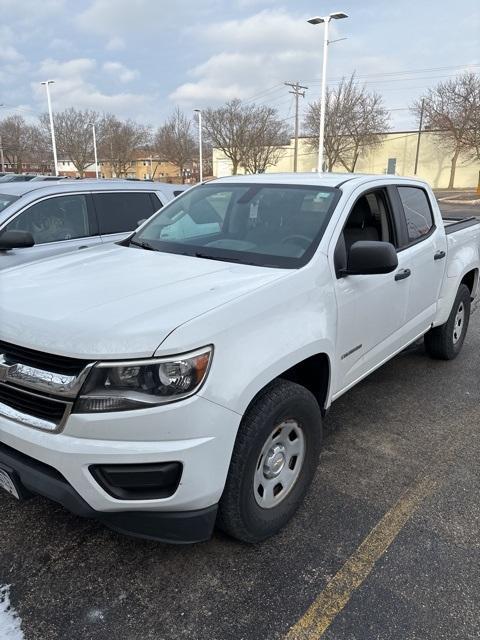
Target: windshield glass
{"type": "Point", "coordinates": [262, 224]}
{"type": "Point", "coordinates": [5, 200]}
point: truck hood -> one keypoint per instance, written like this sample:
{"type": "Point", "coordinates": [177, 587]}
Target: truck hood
{"type": "Point", "coordinates": [113, 301]}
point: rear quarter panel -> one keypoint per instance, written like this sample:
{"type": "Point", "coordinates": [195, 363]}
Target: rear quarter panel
{"type": "Point", "coordinates": [463, 256]}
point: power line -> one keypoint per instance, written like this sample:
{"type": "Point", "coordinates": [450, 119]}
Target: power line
{"type": "Point", "coordinates": [404, 72]}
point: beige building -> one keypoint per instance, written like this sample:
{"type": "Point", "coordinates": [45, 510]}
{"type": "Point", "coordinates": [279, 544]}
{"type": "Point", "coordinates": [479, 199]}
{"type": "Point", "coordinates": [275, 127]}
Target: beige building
{"type": "Point", "coordinates": [145, 168]}
{"type": "Point", "coordinates": [396, 154]}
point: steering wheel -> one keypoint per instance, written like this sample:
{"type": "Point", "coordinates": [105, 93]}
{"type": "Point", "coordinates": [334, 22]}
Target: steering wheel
{"type": "Point", "coordinates": [303, 241]}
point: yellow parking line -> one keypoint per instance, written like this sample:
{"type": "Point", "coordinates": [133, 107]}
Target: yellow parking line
{"type": "Point", "coordinates": [320, 615]}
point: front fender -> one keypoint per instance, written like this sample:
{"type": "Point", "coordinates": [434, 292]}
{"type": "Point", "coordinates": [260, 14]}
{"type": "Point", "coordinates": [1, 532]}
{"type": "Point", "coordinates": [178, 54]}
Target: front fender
{"type": "Point", "coordinates": [262, 334]}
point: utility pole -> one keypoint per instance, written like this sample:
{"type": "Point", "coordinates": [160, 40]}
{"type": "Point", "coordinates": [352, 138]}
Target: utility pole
{"type": "Point", "coordinates": [296, 91]}
{"type": "Point", "coordinates": [419, 135]}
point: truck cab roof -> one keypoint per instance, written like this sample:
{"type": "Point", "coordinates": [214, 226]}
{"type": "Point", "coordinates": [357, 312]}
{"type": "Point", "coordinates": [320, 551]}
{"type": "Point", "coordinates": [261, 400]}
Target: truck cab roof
{"type": "Point", "coordinates": [317, 179]}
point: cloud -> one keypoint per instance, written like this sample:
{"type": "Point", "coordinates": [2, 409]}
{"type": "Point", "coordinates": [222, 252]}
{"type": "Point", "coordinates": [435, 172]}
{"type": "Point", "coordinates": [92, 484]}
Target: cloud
{"type": "Point", "coordinates": [10, 54]}
{"type": "Point", "coordinates": [74, 86]}
{"type": "Point", "coordinates": [255, 53]}
{"type": "Point", "coordinates": [115, 44]}
{"type": "Point", "coordinates": [258, 53]}
{"type": "Point", "coordinates": [123, 73]}
{"type": "Point", "coordinates": [71, 70]}
{"type": "Point", "coordinates": [267, 30]}
{"type": "Point", "coordinates": [60, 44]}
{"type": "Point", "coordinates": [124, 17]}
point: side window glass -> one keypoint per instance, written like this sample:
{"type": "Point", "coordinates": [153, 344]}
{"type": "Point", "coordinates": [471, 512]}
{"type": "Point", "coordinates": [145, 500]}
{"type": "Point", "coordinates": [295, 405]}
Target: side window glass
{"type": "Point", "coordinates": [120, 212]}
{"type": "Point", "coordinates": [417, 212]}
{"type": "Point", "coordinates": [157, 204]}
{"type": "Point", "coordinates": [54, 219]}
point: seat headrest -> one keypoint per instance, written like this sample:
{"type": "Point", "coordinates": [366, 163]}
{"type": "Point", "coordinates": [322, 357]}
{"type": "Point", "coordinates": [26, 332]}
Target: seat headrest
{"type": "Point", "coordinates": [361, 215]}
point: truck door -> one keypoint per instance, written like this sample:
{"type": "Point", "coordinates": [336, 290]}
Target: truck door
{"type": "Point", "coordinates": [423, 248]}
{"type": "Point", "coordinates": [371, 308]}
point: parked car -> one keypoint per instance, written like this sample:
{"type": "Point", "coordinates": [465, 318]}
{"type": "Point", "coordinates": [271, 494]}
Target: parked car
{"type": "Point", "coordinates": [179, 378]}
{"type": "Point", "coordinates": [67, 215]}
{"type": "Point", "coordinates": [49, 178]}
{"type": "Point", "coordinates": [17, 177]}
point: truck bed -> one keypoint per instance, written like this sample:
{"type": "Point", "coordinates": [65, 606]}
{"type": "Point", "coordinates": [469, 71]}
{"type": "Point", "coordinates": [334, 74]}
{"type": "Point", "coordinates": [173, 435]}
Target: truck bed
{"type": "Point", "coordinates": [456, 224]}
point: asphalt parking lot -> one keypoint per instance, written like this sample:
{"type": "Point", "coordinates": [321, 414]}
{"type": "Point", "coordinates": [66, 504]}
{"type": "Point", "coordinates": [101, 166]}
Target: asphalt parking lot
{"type": "Point", "coordinates": [387, 545]}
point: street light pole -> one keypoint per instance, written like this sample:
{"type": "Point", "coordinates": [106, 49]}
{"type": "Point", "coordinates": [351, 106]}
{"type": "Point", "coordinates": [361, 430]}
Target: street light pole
{"type": "Point", "coordinates": [326, 21]}
{"type": "Point", "coordinates": [52, 130]}
{"type": "Point", "coordinates": [2, 160]}
{"type": "Point", "coordinates": [200, 150]}
{"type": "Point", "coordinates": [417, 152]}
{"type": "Point", "coordinates": [95, 149]}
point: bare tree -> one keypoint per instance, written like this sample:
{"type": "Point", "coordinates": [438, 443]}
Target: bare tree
{"type": "Point", "coordinates": [175, 141]}
{"type": "Point", "coordinates": [354, 122]}
{"type": "Point", "coordinates": [248, 135]}
{"type": "Point", "coordinates": [120, 140]}
{"type": "Point", "coordinates": [451, 109]}
{"type": "Point", "coordinates": [17, 138]}
{"type": "Point", "coordinates": [73, 133]}
{"type": "Point", "coordinates": [226, 128]}
{"type": "Point", "coordinates": [265, 136]}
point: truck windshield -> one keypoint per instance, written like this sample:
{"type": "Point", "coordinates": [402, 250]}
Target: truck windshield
{"type": "Point", "coordinates": [5, 200]}
{"type": "Point", "coordinates": [261, 224]}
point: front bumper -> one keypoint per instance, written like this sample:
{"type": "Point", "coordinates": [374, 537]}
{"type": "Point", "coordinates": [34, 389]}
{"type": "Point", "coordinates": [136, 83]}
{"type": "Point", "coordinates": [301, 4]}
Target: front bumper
{"type": "Point", "coordinates": [196, 432]}
{"type": "Point", "coordinates": [33, 477]}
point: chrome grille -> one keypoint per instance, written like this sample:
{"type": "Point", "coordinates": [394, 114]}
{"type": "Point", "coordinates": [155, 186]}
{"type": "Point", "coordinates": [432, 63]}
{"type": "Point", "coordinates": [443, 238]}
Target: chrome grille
{"type": "Point", "coordinates": [13, 354]}
{"type": "Point", "coordinates": [32, 409]}
{"type": "Point", "coordinates": [38, 389]}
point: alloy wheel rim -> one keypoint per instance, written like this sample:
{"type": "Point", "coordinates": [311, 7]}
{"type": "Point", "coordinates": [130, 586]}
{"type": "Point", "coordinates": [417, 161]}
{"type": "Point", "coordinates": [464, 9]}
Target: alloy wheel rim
{"type": "Point", "coordinates": [279, 464]}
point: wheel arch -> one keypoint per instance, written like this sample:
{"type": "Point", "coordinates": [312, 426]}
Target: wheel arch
{"type": "Point", "coordinates": [313, 373]}
{"type": "Point", "coordinates": [470, 279]}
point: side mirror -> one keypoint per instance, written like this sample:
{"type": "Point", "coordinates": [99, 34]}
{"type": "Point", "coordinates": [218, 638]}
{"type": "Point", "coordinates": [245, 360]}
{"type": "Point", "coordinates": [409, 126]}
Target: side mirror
{"type": "Point", "coordinates": [368, 257]}
{"type": "Point", "coordinates": [16, 240]}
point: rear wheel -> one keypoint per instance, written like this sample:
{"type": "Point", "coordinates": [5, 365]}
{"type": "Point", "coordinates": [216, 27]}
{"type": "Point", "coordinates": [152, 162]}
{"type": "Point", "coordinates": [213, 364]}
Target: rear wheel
{"type": "Point", "coordinates": [445, 342]}
{"type": "Point", "coordinates": [273, 462]}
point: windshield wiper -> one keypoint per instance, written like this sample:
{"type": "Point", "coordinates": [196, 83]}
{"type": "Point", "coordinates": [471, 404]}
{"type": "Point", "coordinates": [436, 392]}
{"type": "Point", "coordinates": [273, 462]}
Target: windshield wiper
{"type": "Point", "coordinates": [144, 245]}
{"type": "Point", "coordinates": [208, 256]}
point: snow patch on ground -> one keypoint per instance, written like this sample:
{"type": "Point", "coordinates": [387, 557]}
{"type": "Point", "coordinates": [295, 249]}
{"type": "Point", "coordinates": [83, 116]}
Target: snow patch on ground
{"type": "Point", "coordinates": [10, 623]}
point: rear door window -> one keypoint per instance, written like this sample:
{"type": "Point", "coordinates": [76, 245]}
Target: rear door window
{"type": "Point", "coordinates": [418, 214]}
{"type": "Point", "coordinates": [55, 219]}
{"type": "Point", "coordinates": [6, 200]}
{"type": "Point", "coordinates": [120, 212]}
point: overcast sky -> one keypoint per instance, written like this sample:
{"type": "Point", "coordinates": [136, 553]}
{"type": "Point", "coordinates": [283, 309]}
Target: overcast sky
{"type": "Point", "coordinates": [139, 58]}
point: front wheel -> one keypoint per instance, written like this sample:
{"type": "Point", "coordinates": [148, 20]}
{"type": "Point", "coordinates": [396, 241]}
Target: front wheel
{"type": "Point", "coordinates": [273, 462]}
{"type": "Point", "coordinates": [445, 342]}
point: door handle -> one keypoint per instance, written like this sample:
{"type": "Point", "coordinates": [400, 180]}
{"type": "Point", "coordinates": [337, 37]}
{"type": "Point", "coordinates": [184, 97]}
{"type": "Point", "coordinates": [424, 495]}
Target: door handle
{"type": "Point", "coordinates": [404, 273]}
{"type": "Point", "coordinates": [83, 246]}
{"type": "Point", "coordinates": [439, 255]}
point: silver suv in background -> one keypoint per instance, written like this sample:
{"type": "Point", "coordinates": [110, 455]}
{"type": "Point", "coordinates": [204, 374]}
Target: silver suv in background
{"type": "Point", "coordinates": [40, 219]}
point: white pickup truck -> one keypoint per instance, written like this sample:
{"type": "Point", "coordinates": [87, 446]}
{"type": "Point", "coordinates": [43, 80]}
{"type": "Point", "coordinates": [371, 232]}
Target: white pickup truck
{"type": "Point", "coordinates": [178, 379]}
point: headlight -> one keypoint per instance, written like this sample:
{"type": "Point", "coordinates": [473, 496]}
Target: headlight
{"type": "Point", "coordinates": [143, 383]}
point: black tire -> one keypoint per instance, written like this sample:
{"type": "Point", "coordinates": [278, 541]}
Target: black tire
{"type": "Point", "coordinates": [282, 402]}
{"type": "Point", "coordinates": [440, 342]}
